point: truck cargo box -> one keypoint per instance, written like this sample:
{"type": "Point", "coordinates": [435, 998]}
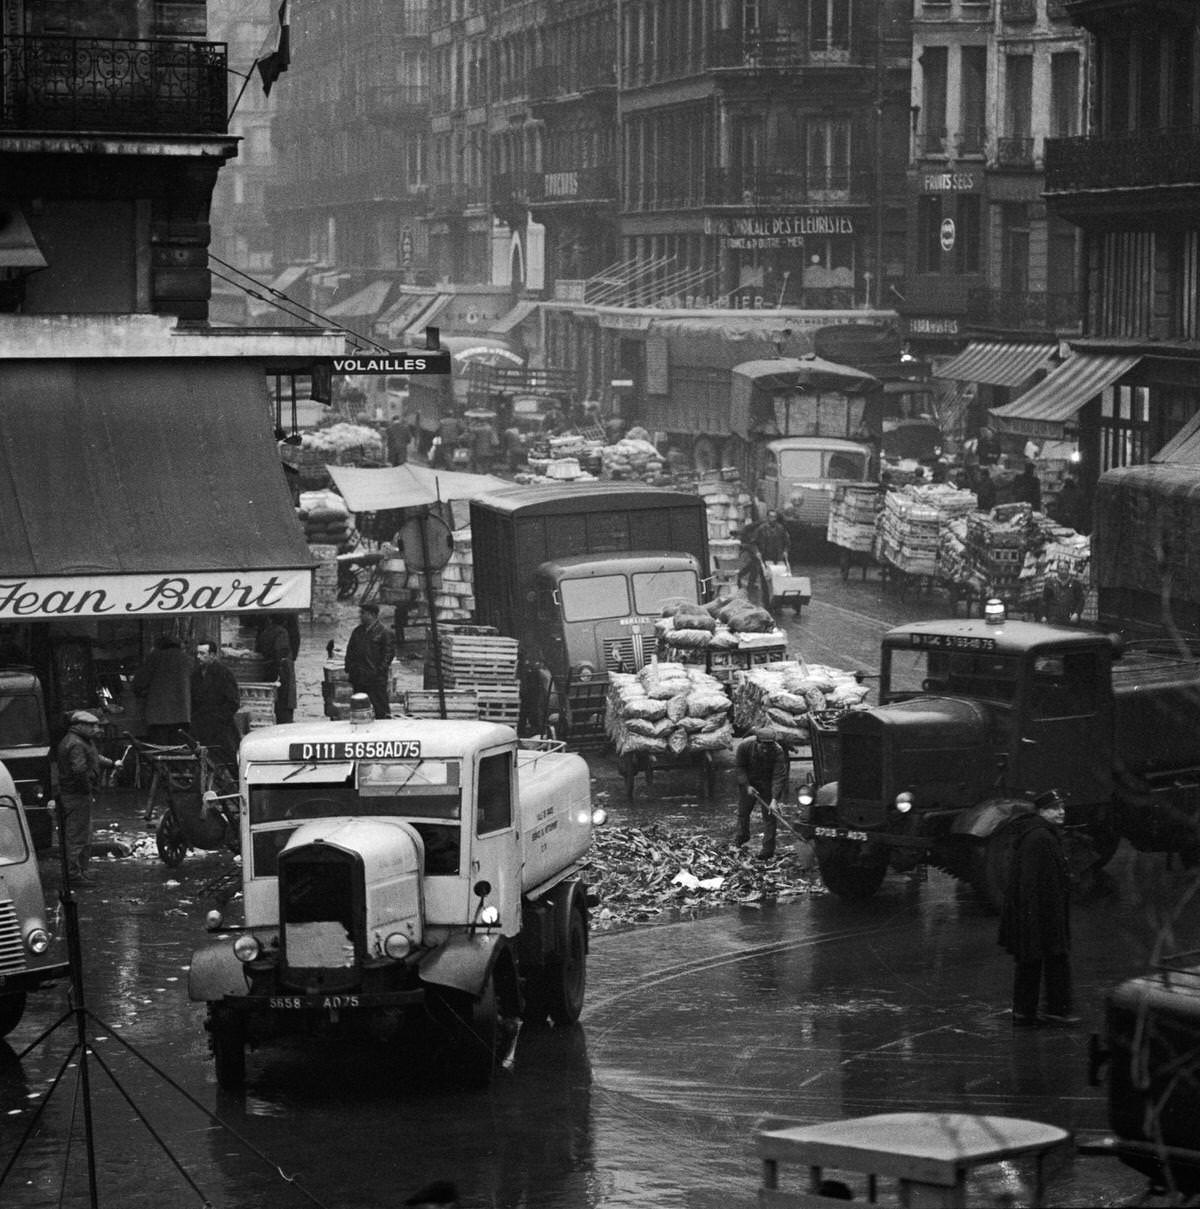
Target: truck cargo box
{"type": "Point", "coordinates": [556, 812]}
{"type": "Point", "coordinates": [1155, 698]}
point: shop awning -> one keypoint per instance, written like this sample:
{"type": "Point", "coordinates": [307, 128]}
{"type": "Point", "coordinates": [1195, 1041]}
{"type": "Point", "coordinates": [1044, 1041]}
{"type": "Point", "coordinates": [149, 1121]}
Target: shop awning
{"type": "Point", "coordinates": [515, 317]}
{"type": "Point", "coordinates": [403, 308]}
{"type": "Point", "coordinates": [289, 276]}
{"type": "Point", "coordinates": [998, 363]}
{"type": "Point", "coordinates": [1184, 447]}
{"type": "Point", "coordinates": [414, 333]}
{"type": "Point", "coordinates": [407, 486]}
{"type": "Point", "coordinates": [143, 489]}
{"type": "Point", "coordinates": [1045, 408]}
{"type": "Point", "coordinates": [367, 301]}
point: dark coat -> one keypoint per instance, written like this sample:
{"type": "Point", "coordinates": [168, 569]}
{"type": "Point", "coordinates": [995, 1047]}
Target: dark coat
{"type": "Point", "coordinates": [771, 538]}
{"type": "Point", "coordinates": [1035, 921]}
{"type": "Point", "coordinates": [275, 646]}
{"type": "Point", "coordinates": [216, 699]}
{"type": "Point", "coordinates": [369, 654]}
{"type": "Point", "coordinates": [78, 762]}
{"type": "Point", "coordinates": [164, 685]}
{"type": "Point", "coordinates": [763, 765]}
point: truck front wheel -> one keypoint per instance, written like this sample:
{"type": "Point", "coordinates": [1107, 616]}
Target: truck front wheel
{"type": "Point", "coordinates": [566, 974]}
{"type": "Point", "coordinates": [845, 872]}
{"type": "Point", "coordinates": [12, 1008]}
{"type": "Point", "coordinates": [227, 1036]}
{"type": "Point", "coordinates": [472, 1027]}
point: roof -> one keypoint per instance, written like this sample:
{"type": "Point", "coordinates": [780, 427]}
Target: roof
{"type": "Point", "coordinates": [367, 301]}
{"type": "Point", "coordinates": [115, 471]}
{"type": "Point", "coordinates": [792, 373]}
{"type": "Point", "coordinates": [1184, 447]}
{"type": "Point", "coordinates": [632, 564]}
{"type": "Point", "coordinates": [1013, 637]}
{"type": "Point", "coordinates": [582, 497]}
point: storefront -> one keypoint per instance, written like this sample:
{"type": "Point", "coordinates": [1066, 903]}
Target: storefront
{"type": "Point", "coordinates": [137, 497]}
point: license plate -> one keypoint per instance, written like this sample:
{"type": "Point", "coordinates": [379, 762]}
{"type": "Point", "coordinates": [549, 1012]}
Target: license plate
{"type": "Point", "coordinates": [297, 1002]}
{"type": "Point", "coordinates": [840, 833]}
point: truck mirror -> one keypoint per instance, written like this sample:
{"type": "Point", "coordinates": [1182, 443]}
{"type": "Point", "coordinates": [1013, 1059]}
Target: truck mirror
{"type": "Point", "coordinates": [482, 889]}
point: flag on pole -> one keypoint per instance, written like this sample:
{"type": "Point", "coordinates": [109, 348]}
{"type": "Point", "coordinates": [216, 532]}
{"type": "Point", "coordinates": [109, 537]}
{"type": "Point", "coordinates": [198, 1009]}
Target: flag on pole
{"type": "Point", "coordinates": [272, 66]}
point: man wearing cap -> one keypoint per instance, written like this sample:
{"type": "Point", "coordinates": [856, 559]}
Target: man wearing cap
{"type": "Point", "coordinates": [762, 777]}
{"type": "Point", "coordinates": [79, 765]}
{"type": "Point", "coordinates": [1035, 923]}
{"type": "Point", "coordinates": [369, 655]}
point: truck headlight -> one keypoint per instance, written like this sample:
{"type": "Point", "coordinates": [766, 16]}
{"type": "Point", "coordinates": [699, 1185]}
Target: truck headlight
{"type": "Point", "coordinates": [38, 940]}
{"type": "Point", "coordinates": [246, 949]}
{"type": "Point", "coordinates": [397, 945]}
{"type": "Point", "coordinates": [599, 816]}
{"type": "Point", "coordinates": [904, 802]}
{"type": "Point", "coordinates": [806, 796]}
{"type": "Point", "coordinates": [489, 915]}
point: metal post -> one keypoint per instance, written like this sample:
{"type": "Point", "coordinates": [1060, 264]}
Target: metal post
{"type": "Point", "coordinates": [433, 626]}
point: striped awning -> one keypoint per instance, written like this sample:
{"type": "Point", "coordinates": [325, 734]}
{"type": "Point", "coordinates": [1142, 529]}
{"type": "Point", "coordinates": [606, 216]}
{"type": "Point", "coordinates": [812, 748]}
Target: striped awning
{"type": "Point", "coordinates": [515, 317]}
{"type": "Point", "coordinates": [1043, 410]}
{"type": "Point", "coordinates": [367, 301]}
{"type": "Point", "coordinates": [998, 362]}
{"type": "Point", "coordinates": [1184, 446]}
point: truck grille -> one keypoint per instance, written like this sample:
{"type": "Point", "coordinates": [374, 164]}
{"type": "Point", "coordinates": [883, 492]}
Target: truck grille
{"type": "Point", "coordinates": [317, 908]}
{"type": "Point", "coordinates": [861, 773]}
{"type": "Point", "coordinates": [12, 951]}
{"type": "Point", "coordinates": [626, 654]}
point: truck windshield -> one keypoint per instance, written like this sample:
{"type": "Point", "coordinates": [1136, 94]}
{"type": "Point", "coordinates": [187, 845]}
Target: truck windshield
{"type": "Point", "coordinates": [21, 721]}
{"type": "Point", "coordinates": [13, 849]}
{"type": "Point", "coordinates": [969, 674]}
{"type": "Point", "coordinates": [595, 597]}
{"type": "Point", "coordinates": [653, 589]}
{"type": "Point", "coordinates": [823, 464]}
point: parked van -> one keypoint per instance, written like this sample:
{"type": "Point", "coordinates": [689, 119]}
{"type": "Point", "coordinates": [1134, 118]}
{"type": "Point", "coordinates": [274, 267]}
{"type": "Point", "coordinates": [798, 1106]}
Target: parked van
{"type": "Point", "coordinates": [25, 747]}
{"type": "Point", "coordinates": [803, 473]}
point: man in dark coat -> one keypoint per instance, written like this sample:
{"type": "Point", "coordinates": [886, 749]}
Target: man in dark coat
{"type": "Point", "coordinates": [79, 769]}
{"type": "Point", "coordinates": [762, 777]}
{"type": "Point", "coordinates": [985, 491]}
{"type": "Point", "coordinates": [369, 655]}
{"type": "Point", "coordinates": [216, 699]}
{"type": "Point", "coordinates": [1027, 486]}
{"type": "Point", "coordinates": [163, 684]}
{"type": "Point", "coordinates": [275, 646]}
{"type": "Point", "coordinates": [772, 539]}
{"type": "Point", "coordinates": [1035, 921]}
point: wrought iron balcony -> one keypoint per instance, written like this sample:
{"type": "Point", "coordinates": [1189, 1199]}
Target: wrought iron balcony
{"type": "Point", "coordinates": [1142, 160]}
{"type": "Point", "coordinates": [755, 50]}
{"type": "Point", "coordinates": [1024, 311]}
{"type": "Point", "coordinates": [126, 84]}
{"type": "Point", "coordinates": [1014, 153]}
{"type": "Point", "coordinates": [972, 140]}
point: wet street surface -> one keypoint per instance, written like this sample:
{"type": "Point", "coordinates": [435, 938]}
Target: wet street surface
{"type": "Point", "coordinates": [696, 1035]}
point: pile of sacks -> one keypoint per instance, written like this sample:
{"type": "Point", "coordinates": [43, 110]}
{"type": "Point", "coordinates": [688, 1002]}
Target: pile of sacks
{"type": "Point", "coordinates": [783, 697]}
{"type": "Point", "coordinates": [667, 707]}
{"type": "Point", "coordinates": [631, 458]}
{"type": "Point", "coordinates": [721, 625]}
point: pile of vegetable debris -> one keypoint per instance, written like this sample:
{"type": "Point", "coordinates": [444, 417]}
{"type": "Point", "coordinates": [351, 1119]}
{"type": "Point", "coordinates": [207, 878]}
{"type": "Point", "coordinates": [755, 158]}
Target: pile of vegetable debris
{"type": "Point", "coordinates": [638, 875]}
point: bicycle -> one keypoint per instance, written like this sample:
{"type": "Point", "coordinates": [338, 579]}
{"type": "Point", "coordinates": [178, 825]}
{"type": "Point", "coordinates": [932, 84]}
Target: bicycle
{"type": "Point", "coordinates": [200, 804]}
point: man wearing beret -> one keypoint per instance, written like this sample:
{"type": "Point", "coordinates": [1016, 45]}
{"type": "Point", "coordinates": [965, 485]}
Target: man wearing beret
{"type": "Point", "coordinates": [79, 765]}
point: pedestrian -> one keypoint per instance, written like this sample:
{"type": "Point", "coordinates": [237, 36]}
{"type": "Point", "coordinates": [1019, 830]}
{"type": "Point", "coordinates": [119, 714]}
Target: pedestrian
{"type": "Point", "coordinates": [484, 446]}
{"type": "Point", "coordinates": [985, 490]}
{"type": "Point", "coordinates": [216, 700]}
{"type": "Point", "coordinates": [772, 539]}
{"type": "Point", "coordinates": [762, 778]}
{"type": "Point", "coordinates": [79, 767]}
{"type": "Point", "coordinates": [163, 684]}
{"type": "Point", "coordinates": [514, 449]}
{"type": "Point", "coordinates": [369, 655]}
{"type": "Point", "coordinates": [275, 646]}
{"type": "Point", "coordinates": [987, 447]}
{"type": "Point", "coordinates": [448, 435]}
{"type": "Point", "coordinates": [751, 577]}
{"type": "Point", "coordinates": [1027, 487]}
{"type": "Point", "coordinates": [1035, 923]}
{"type": "Point", "coordinates": [1062, 596]}
{"type": "Point", "coordinates": [1069, 508]}
{"type": "Point", "coordinates": [397, 435]}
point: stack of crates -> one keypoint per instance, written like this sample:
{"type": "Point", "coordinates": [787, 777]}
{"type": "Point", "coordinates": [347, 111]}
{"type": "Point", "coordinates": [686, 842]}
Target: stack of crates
{"type": "Point", "coordinates": [908, 534]}
{"type": "Point", "coordinates": [479, 659]}
{"type": "Point", "coordinates": [258, 703]}
{"type": "Point", "coordinates": [453, 590]}
{"type": "Point", "coordinates": [426, 703]}
{"type": "Point", "coordinates": [729, 508]}
{"type": "Point", "coordinates": [725, 553]}
{"type": "Point", "coordinates": [336, 691]}
{"type": "Point", "coordinates": [852, 516]}
{"type": "Point", "coordinates": [996, 554]}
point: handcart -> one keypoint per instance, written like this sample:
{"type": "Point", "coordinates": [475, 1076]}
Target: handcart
{"type": "Point", "coordinates": [781, 588]}
{"type": "Point", "coordinates": [631, 763]}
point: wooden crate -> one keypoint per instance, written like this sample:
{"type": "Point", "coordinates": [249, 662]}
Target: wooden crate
{"type": "Point", "coordinates": [424, 703]}
{"type": "Point", "coordinates": [499, 704]}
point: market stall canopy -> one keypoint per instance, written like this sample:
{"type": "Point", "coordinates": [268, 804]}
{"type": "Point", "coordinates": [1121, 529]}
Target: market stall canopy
{"type": "Point", "coordinates": [998, 362]}
{"type": "Point", "coordinates": [407, 486]}
{"type": "Point", "coordinates": [367, 302]}
{"type": "Point", "coordinates": [1043, 409]}
{"type": "Point", "coordinates": [1184, 447]}
{"type": "Point", "coordinates": [143, 488]}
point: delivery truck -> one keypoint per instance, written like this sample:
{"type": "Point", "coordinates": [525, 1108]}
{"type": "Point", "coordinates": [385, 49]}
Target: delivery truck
{"type": "Point", "coordinates": [578, 574]}
{"type": "Point", "coordinates": [403, 880]}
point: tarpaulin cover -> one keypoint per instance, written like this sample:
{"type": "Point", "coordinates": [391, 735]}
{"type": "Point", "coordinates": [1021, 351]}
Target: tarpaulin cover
{"type": "Point", "coordinates": [407, 486]}
{"type": "Point", "coordinates": [136, 467]}
{"type": "Point", "coordinates": [772, 374]}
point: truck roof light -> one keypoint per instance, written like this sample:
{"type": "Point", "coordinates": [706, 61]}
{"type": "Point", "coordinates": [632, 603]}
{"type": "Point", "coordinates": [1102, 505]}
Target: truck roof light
{"type": "Point", "coordinates": [904, 802]}
{"type": "Point", "coordinates": [993, 611]}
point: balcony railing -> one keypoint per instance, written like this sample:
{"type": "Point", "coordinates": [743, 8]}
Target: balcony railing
{"type": "Point", "coordinates": [1014, 153]}
{"type": "Point", "coordinates": [753, 50]}
{"type": "Point", "coordinates": [154, 85]}
{"type": "Point", "coordinates": [1024, 311]}
{"type": "Point", "coordinates": [972, 140]}
{"type": "Point", "coordinates": [738, 187]}
{"type": "Point", "coordinates": [515, 188]}
{"type": "Point", "coordinates": [346, 189]}
{"type": "Point", "coordinates": [574, 186]}
{"type": "Point", "coordinates": [447, 198]}
{"type": "Point", "coordinates": [1128, 161]}
{"type": "Point", "coordinates": [1018, 12]}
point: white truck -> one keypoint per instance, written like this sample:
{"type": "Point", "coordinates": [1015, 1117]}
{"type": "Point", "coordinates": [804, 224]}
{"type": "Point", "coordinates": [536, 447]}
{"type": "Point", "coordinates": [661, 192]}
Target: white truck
{"type": "Point", "coordinates": [397, 874]}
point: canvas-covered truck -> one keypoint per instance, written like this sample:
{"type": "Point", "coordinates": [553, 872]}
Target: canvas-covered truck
{"type": "Point", "coordinates": [977, 716]}
{"type": "Point", "coordinates": [400, 875]}
{"type": "Point", "coordinates": [579, 574]}
{"type": "Point", "coordinates": [30, 955]}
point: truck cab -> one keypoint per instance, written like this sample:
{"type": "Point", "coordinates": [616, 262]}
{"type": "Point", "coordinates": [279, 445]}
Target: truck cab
{"type": "Point", "coordinates": [25, 748]}
{"type": "Point", "coordinates": [397, 869]}
{"type": "Point", "coordinates": [803, 472]}
{"type": "Point", "coordinates": [30, 956]}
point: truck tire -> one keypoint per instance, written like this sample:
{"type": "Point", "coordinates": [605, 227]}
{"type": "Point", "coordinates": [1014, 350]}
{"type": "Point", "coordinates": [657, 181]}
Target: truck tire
{"type": "Point", "coordinates": [845, 874]}
{"type": "Point", "coordinates": [565, 978]}
{"type": "Point", "coordinates": [227, 1038]}
{"type": "Point", "coordinates": [12, 1008]}
{"type": "Point", "coordinates": [472, 1027]}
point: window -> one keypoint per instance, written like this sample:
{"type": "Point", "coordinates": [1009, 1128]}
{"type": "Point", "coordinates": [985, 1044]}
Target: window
{"type": "Point", "coordinates": [968, 236]}
{"type": "Point", "coordinates": [1064, 95]}
{"type": "Point", "coordinates": [1063, 685]}
{"type": "Point", "coordinates": [494, 809]}
{"type": "Point", "coordinates": [829, 26]}
{"type": "Point", "coordinates": [972, 134]}
{"type": "Point", "coordinates": [1014, 247]}
{"type": "Point", "coordinates": [929, 223]}
{"type": "Point", "coordinates": [652, 590]}
{"type": "Point", "coordinates": [934, 90]}
{"type": "Point", "coordinates": [829, 155]}
{"type": "Point", "coordinates": [593, 598]}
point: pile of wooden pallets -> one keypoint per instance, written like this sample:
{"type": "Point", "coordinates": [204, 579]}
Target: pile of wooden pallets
{"type": "Point", "coordinates": [427, 703]}
{"type": "Point", "coordinates": [478, 659]}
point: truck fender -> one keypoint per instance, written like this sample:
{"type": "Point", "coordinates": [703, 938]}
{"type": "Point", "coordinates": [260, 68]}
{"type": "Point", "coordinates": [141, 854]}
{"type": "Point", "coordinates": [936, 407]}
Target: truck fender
{"type": "Point", "coordinates": [215, 972]}
{"type": "Point", "coordinates": [565, 898]}
{"type": "Point", "coordinates": [984, 818]}
{"type": "Point", "coordinates": [464, 961]}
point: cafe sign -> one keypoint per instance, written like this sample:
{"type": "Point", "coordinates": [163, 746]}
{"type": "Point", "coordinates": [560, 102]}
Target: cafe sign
{"type": "Point", "coordinates": [56, 597]}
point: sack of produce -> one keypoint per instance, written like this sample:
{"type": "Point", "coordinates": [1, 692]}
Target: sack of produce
{"type": "Point", "coordinates": [642, 726]}
{"type": "Point", "coordinates": [751, 621]}
{"type": "Point", "coordinates": [677, 740]}
{"type": "Point", "coordinates": [723, 639]}
{"type": "Point", "coordinates": [633, 742]}
{"type": "Point", "coordinates": [690, 639]}
{"type": "Point", "coordinates": [693, 726]}
{"type": "Point", "coordinates": [847, 695]}
{"type": "Point", "coordinates": [650, 709]}
{"type": "Point", "coordinates": [794, 703]}
{"type": "Point", "coordinates": [704, 703]}
{"type": "Point", "coordinates": [677, 707]}
{"type": "Point", "coordinates": [712, 740]}
{"type": "Point", "coordinates": [781, 717]}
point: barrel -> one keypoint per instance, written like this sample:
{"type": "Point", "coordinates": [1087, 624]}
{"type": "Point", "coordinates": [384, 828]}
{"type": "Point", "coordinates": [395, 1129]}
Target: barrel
{"type": "Point", "coordinates": [392, 573]}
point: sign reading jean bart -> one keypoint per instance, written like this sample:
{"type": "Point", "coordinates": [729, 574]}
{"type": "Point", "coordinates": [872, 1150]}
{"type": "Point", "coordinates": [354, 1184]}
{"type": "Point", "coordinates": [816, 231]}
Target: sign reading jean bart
{"type": "Point", "coordinates": [57, 596]}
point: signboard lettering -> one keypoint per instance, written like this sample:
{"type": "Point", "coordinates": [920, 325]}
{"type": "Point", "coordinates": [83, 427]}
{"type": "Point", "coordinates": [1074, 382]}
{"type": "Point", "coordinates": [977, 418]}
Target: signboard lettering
{"type": "Point", "coordinates": [405, 363]}
{"type": "Point", "coordinates": [949, 182]}
{"type": "Point", "coordinates": [341, 750]}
